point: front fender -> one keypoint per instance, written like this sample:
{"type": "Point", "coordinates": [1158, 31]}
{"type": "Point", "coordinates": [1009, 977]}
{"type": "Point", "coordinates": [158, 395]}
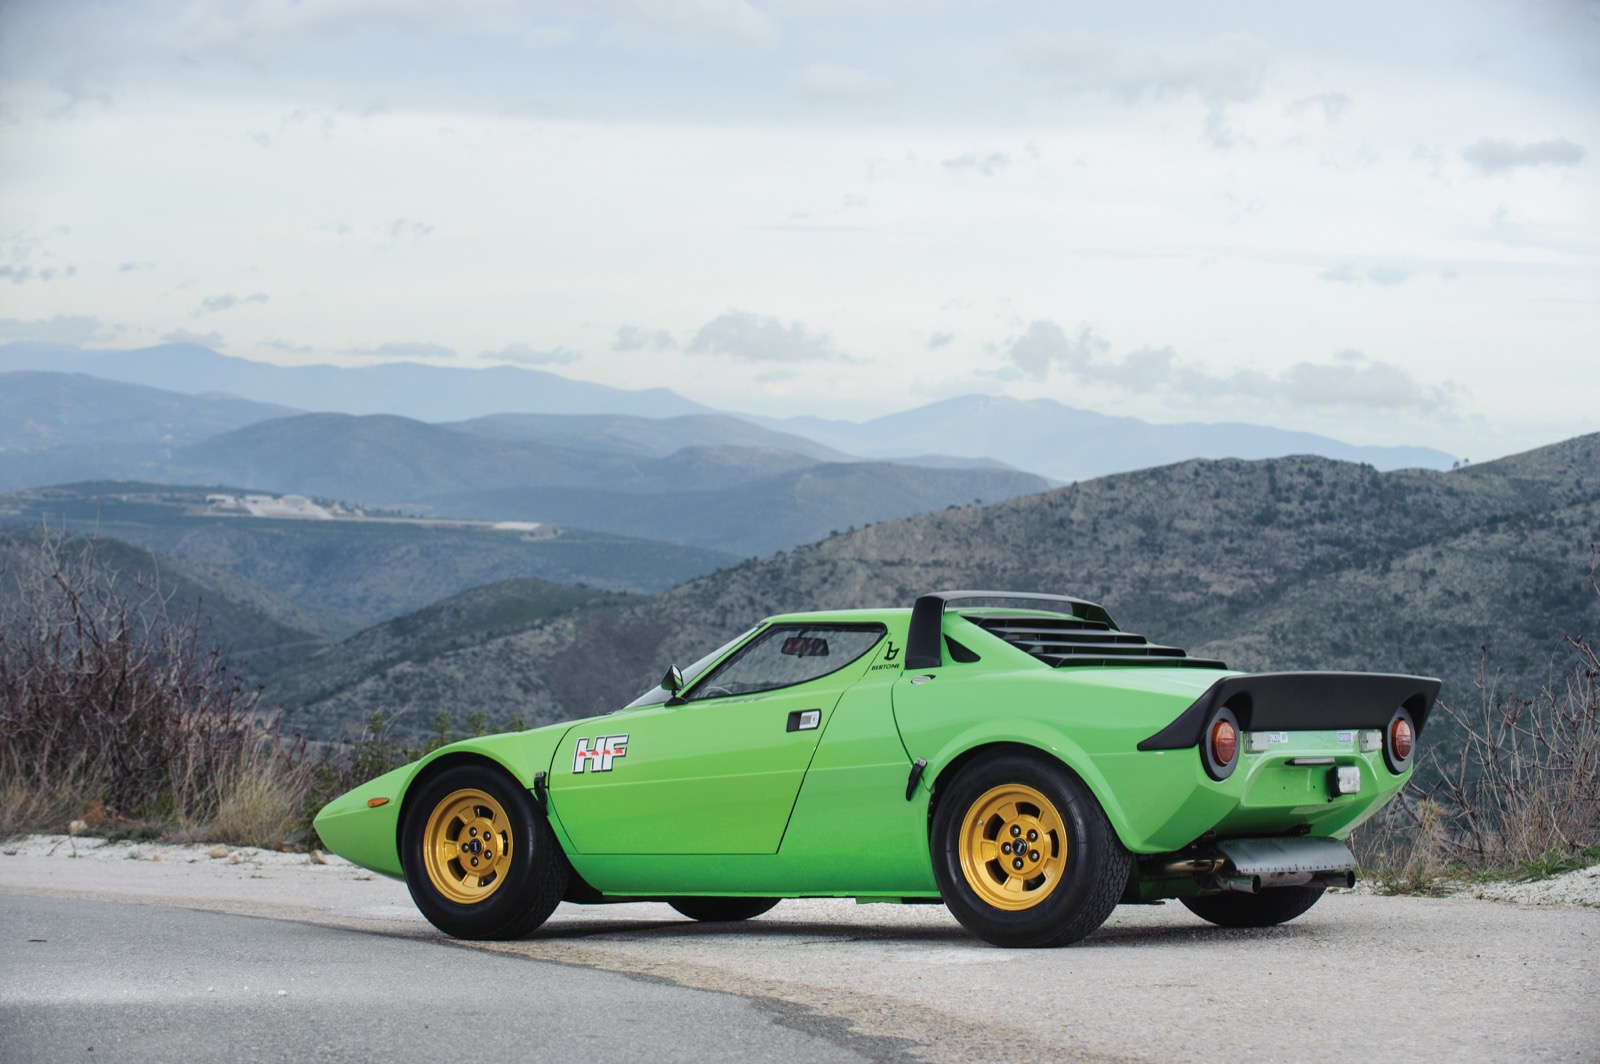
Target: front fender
{"type": "Point", "coordinates": [363, 825]}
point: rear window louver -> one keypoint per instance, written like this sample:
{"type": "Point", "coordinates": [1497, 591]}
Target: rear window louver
{"type": "Point", "coordinates": [1061, 641]}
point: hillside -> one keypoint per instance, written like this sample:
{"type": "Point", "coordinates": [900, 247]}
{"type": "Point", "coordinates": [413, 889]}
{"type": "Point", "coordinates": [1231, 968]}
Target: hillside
{"type": "Point", "coordinates": [742, 499]}
{"type": "Point", "coordinates": [354, 573]}
{"type": "Point", "coordinates": [1282, 563]}
{"type": "Point", "coordinates": [259, 632]}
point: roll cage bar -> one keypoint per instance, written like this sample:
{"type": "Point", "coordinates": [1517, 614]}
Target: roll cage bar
{"type": "Point", "coordinates": [925, 638]}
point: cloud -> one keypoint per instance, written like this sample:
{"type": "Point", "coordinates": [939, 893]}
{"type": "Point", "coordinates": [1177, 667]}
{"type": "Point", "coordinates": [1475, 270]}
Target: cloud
{"type": "Point", "coordinates": [1351, 380]}
{"type": "Point", "coordinates": [1333, 105]}
{"type": "Point", "coordinates": [974, 162]}
{"type": "Point", "coordinates": [135, 267]}
{"type": "Point", "coordinates": [1490, 156]}
{"type": "Point", "coordinates": [748, 337]}
{"type": "Point", "coordinates": [211, 339]}
{"type": "Point", "coordinates": [227, 301]}
{"type": "Point", "coordinates": [528, 356]}
{"type": "Point", "coordinates": [288, 348]}
{"type": "Point", "coordinates": [1044, 347]}
{"type": "Point", "coordinates": [832, 83]}
{"type": "Point", "coordinates": [1228, 69]}
{"type": "Point", "coordinates": [405, 228]}
{"type": "Point", "coordinates": [940, 339]}
{"type": "Point", "coordinates": [24, 274]}
{"type": "Point", "coordinates": [633, 338]}
{"type": "Point", "coordinates": [1384, 276]}
{"type": "Point", "coordinates": [403, 349]}
{"type": "Point", "coordinates": [61, 329]}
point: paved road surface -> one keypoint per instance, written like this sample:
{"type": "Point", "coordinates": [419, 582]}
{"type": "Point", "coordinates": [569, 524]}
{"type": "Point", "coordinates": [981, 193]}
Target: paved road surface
{"type": "Point", "coordinates": [102, 981]}
{"type": "Point", "coordinates": [1358, 978]}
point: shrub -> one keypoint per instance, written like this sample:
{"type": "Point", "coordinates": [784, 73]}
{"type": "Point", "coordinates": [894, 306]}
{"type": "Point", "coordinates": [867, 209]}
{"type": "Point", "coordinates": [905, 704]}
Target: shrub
{"type": "Point", "coordinates": [111, 705]}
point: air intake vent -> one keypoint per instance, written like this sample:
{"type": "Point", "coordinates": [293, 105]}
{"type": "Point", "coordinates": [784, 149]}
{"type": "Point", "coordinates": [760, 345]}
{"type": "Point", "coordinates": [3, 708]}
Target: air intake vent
{"type": "Point", "coordinates": [1062, 641]}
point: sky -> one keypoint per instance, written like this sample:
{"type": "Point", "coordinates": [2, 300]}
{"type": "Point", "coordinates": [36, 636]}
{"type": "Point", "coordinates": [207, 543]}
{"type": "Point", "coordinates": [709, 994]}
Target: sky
{"type": "Point", "coordinates": [1376, 221]}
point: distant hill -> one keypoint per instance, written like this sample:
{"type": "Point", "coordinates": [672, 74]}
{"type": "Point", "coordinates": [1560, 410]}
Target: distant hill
{"type": "Point", "coordinates": [1279, 563]}
{"type": "Point", "coordinates": [399, 651]}
{"type": "Point", "coordinates": [410, 389]}
{"type": "Point", "coordinates": [1043, 436]}
{"type": "Point", "coordinates": [60, 427]}
{"type": "Point", "coordinates": [259, 632]}
{"type": "Point", "coordinates": [742, 499]}
{"type": "Point", "coordinates": [354, 573]}
{"type": "Point", "coordinates": [653, 436]}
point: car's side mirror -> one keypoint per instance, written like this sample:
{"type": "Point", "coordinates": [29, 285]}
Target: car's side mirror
{"type": "Point", "coordinates": [672, 683]}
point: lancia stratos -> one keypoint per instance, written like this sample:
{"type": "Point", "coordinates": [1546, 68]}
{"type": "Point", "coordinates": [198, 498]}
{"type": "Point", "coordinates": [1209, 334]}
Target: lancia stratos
{"type": "Point", "coordinates": [1016, 757]}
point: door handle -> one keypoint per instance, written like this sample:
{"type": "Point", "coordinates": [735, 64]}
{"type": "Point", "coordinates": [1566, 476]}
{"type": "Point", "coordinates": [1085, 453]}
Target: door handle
{"type": "Point", "coordinates": [804, 720]}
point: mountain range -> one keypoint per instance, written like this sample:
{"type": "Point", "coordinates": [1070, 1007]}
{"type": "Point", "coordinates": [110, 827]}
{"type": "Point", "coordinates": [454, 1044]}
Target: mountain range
{"type": "Point", "coordinates": [1039, 436]}
{"type": "Point", "coordinates": [1291, 563]}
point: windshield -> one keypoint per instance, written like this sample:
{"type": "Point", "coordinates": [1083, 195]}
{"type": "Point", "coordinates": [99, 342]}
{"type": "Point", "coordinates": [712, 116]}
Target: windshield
{"type": "Point", "coordinates": [661, 694]}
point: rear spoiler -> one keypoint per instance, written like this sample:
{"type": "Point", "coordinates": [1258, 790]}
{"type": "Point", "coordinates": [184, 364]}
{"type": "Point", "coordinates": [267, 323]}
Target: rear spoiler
{"type": "Point", "coordinates": [1302, 701]}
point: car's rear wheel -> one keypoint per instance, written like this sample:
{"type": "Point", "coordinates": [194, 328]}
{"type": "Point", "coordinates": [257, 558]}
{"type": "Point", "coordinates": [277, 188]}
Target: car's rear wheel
{"type": "Point", "coordinates": [479, 857]}
{"type": "Point", "coordinates": [1275, 905]}
{"type": "Point", "coordinates": [721, 910]}
{"type": "Point", "coordinates": [1023, 854]}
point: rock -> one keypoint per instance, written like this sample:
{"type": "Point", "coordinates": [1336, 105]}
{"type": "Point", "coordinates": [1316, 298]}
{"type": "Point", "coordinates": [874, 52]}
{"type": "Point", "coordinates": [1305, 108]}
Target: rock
{"type": "Point", "coordinates": [218, 851]}
{"type": "Point", "coordinates": [317, 858]}
{"type": "Point", "coordinates": [234, 858]}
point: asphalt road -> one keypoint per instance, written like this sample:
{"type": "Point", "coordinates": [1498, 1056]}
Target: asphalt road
{"type": "Point", "coordinates": [130, 967]}
{"type": "Point", "coordinates": [101, 981]}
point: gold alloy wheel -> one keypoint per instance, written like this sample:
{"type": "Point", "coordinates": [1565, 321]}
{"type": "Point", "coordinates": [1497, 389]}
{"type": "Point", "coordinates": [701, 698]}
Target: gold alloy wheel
{"type": "Point", "coordinates": [466, 846]}
{"type": "Point", "coordinates": [1013, 847]}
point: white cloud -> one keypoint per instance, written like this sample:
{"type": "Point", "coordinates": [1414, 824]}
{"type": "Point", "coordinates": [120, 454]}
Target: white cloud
{"type": "Point", "coordinates": [228, 301]}
{"type": "Point", "coordinates": [525, 355]}
{"type": "Point", "coordinates": [633, 338]}
{"type": "Point", "coordinates": [1045, 348]}
{"type": "Point", "coordinates": [404, 350]}
{"type": "Point", "coordinates": [985, 163]}
{"type": "Point", "coordinates": [1350, 381]}
{"type": "Point", "coordinates": [211, 339]}
{"type": "Point", "coordinates": [1491, 156]}
{"type": "Point", "coordinates": [748, 337]}
{"type": "Point", "coordinates": [1228, 69]}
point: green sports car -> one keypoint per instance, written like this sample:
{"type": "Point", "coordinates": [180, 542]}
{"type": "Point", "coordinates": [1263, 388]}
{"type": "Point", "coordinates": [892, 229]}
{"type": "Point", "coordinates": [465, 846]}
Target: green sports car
{"type": "Point", "coordinates": [1017, 757]}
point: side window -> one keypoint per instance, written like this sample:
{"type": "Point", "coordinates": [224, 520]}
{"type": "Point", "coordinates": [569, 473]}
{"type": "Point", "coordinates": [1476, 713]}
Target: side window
{"type": "Point", "coordinates": [787, 654]}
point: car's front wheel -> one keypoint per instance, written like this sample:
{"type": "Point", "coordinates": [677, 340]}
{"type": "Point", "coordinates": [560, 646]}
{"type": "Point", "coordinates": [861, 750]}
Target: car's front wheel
{"type": "Point", "coordinates": [721, 910]}
{"type": "Point", "coordinates": [1023, 854]}
{"type": "Point", "coordinates": [1275, 905]}
{"type": "Point", "coordinates": [480, 859]}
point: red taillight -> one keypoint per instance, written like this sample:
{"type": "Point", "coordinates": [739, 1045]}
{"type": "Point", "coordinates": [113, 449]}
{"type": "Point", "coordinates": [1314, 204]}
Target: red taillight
{"type": "Point", "coordinates": [1400, 738]}
{"type": "Point", "coordinates": [1224, 742]}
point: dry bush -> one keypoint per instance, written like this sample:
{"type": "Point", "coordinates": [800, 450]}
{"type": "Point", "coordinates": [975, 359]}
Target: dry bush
{"type": "Point", "coordinates": [107, 702]}
{"type": "Point", "coordinates": [1523, 792]}
{"type": "Point", "coordinates": [1527, 783]}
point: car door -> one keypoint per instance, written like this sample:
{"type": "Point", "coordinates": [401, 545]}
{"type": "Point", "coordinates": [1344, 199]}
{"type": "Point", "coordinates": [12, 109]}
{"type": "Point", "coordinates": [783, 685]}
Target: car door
{"type": "Point", "coordinates": [719, 772]}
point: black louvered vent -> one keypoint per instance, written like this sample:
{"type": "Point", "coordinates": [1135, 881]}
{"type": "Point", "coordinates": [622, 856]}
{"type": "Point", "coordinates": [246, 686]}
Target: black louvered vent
{"type": "Point", "coordinates": [1071, 641]}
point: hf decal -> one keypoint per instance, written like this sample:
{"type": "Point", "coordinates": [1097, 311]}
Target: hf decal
{"type": "Point", "coordinates": [598, 757]}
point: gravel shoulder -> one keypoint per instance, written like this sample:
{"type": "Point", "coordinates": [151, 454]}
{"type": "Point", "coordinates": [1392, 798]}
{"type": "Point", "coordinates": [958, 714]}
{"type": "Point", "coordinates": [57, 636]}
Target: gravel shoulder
{"type": "Point", "coordinates": [1499, 971]}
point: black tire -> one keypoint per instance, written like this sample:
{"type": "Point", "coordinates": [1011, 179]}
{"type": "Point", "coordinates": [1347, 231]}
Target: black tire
{"type": "Point", "coordinates": [1275, 905]}
{"type": "Point", "coordinates": [1073, 866]}
{"type": "Point", "coordinates": [523, 872]}
{"type": "Point", "coordinates": [721, 910]}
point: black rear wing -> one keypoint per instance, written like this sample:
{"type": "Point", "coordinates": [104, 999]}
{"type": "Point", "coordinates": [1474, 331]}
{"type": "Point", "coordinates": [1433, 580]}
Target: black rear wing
{"type": "Point", "coordinates": [1303, 701]}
